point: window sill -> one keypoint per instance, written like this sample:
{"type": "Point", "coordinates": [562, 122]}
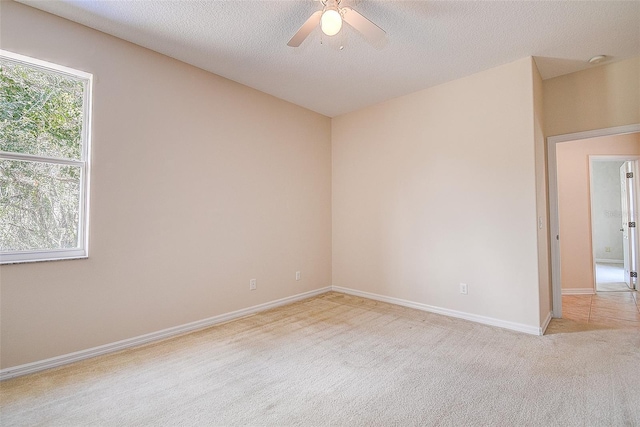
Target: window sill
{"type": "Point", "coordinates": [21, 258]}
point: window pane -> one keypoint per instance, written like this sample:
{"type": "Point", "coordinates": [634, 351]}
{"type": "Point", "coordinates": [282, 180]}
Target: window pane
{"type": "Point", "coordinates": [39, 205]}
{"type": "Point", "coordinates": [40, 112]}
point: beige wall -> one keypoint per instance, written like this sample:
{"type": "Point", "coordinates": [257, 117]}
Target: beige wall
{"type": "Point", "coordinates": [574, 209]}
{"type": "Point", "coordinates": [544, 248]}
{"type": "Point", "coordinates": [437, 188]}
{"type": "Point", "coordinates": [596, 98]}
{"type": "Point", "coordinates": [198, 185]}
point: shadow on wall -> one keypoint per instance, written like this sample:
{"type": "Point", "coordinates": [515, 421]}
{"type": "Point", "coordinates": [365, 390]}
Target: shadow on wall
{"type": "Point", "coordinates": [554, 67]}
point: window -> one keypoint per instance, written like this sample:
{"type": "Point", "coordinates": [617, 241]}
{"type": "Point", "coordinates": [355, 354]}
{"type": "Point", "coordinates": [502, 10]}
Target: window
{"type": "Point", "coordinates": [44, 160]}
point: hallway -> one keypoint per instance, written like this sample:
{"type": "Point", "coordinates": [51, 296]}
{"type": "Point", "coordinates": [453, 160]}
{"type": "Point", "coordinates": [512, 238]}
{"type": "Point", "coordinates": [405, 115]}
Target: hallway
{"type": "Point", "coordinates": [611, 309]}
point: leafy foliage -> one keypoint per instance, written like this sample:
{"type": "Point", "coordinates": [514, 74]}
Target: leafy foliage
{"type": "Point", "coordinates": [41, 113]}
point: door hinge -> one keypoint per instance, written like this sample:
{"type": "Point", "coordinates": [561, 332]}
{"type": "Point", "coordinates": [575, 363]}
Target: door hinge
{"type": "Point", "coordinates": [633, 273]}
{"type": "Point", "coordinates": [632, 224]}
{"type": "Point", "coordinates": [629, 174]}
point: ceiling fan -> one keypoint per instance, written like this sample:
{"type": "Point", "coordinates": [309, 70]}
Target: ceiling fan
{"type": "Point", "coordinates": [331, 18]}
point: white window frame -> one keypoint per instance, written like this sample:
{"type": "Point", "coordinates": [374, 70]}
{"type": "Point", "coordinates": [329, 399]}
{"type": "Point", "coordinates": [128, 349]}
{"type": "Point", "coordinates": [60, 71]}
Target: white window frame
{"type": "Point", "coordinates": [82, 251]}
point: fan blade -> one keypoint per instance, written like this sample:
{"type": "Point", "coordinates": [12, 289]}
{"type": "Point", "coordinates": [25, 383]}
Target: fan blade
{"type": "Point", "coordinates": [306, 29]}
{"type": "Point", "coordinates": [367, 28]}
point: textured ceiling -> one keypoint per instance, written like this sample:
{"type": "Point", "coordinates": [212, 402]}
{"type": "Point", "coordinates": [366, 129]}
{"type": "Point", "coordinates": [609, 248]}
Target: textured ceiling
{"type": "Point", "coordinates": [427, 43]}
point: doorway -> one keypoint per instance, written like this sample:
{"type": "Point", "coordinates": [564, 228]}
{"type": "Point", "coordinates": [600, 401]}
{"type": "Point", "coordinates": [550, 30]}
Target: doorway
{"type": "Point", "coordinates": [554, 233]}
{"type": "Point", "coordinates": [614, 244]}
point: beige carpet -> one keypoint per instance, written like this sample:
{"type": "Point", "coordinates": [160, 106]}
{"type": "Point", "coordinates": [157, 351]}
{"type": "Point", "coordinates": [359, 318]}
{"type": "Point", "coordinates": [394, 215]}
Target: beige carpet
{"type": "Point", "coordinates": [342, 361]}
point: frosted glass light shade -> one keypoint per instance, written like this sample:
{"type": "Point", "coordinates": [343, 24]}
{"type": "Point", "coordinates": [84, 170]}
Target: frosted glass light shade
{"type": "Point", "coordinates": [331, 22]}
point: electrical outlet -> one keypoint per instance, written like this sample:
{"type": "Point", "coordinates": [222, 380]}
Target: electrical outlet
{"type": "Point", "coordinates": [297, 275]}
{"type": "Point", "coordinates": [252, 285]}
{"type": "Point", "coordinates": [463, 288]}
{"type": "Point", "coordinates": [607, 249]}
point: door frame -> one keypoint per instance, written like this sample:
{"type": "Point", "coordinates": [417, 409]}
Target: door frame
{"type": "Point", "coordinates": [552, 172]}
{"type": "Point", "coordinates": [606, 158]}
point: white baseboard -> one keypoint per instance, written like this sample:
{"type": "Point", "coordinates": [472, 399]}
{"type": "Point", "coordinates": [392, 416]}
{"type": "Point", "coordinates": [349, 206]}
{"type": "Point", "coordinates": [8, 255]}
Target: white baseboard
{"type": "Point", "coordinates": [445, 311]}
{"type": "Point", "coordinates": [578, 291]}
{"type": "Point", "coordinates": [65, 359]}
{"type": "Point", "coordinates": [546, 322]}
{"type": "Point", "coordinates": [610, 261]}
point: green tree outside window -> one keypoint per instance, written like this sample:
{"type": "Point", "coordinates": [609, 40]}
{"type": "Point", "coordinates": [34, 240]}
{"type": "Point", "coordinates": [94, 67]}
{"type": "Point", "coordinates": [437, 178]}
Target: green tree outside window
{"type": "Point", "coordinates": [42, 158]}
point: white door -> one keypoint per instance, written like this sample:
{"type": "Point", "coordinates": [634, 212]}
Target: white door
{"type": "Point", "coordinates": [628, 225]}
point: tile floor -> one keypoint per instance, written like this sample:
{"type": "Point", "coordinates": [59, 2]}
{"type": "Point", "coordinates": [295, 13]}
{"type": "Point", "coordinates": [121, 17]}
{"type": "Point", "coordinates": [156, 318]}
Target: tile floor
{"type": "Point", "coordinates": [610, 277]}
{"type": "Point", "coordinates": [612, 309]}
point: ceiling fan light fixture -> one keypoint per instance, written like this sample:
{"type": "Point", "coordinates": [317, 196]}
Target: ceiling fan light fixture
{"type": "Point", "coordinates": [331, 21]}
{"type": "Point", "coordinates": [330, 18]}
